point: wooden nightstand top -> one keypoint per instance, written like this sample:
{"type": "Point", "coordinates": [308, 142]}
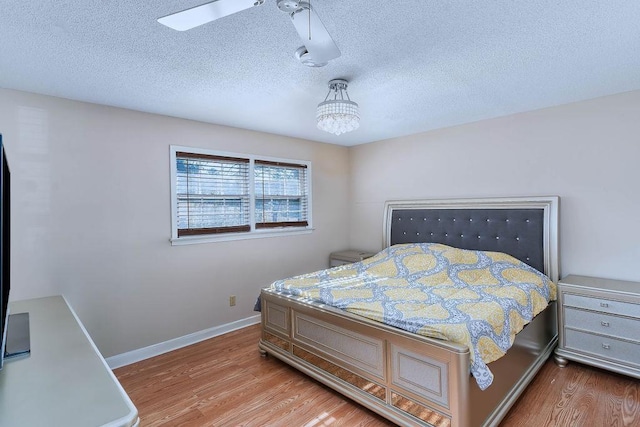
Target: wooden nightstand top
{"type": "Point", "coordinates": [351, 255]}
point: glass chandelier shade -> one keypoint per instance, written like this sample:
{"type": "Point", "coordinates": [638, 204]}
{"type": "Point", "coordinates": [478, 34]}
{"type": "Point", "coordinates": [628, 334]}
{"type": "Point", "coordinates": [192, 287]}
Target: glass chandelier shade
{"type": "Point", "coordinates": [340, 114]}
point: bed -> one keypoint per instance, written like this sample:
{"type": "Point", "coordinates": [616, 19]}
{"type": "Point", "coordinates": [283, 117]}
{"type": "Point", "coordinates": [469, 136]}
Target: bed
{"type": "Point", "coordinates": [408, 378]}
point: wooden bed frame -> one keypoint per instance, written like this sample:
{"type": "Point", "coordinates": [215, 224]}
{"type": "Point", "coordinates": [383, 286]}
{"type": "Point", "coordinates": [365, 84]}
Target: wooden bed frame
{"type": "Point", "coordinates": [407, 378]}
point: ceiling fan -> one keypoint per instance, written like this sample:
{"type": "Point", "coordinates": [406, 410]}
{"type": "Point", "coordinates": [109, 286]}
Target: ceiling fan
{"type": "Point", "coordinates": [319, 48]}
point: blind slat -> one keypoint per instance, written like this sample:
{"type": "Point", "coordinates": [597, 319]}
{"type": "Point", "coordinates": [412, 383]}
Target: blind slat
{"type": "Point", "coordinates": [185, 155]}
{"type": "Point", "coordinates": [213, 230]}
{"type": "Point", "coordinates": [282, 224]}
{"type": "Point", "coordinates": [267, 162]}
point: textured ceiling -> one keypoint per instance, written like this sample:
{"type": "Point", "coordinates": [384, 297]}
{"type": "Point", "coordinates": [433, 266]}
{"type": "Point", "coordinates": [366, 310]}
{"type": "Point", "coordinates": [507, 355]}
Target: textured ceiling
{"type": "Point", "coordinates": [413, 65]}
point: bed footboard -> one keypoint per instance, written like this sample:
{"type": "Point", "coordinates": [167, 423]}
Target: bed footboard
{"type": "Point", "coordinates": [408, 379]}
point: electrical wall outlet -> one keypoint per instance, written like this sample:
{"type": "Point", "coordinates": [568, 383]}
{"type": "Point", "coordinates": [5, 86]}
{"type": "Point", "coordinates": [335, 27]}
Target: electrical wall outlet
{"type": "Point", "coordinates": [232, 300]}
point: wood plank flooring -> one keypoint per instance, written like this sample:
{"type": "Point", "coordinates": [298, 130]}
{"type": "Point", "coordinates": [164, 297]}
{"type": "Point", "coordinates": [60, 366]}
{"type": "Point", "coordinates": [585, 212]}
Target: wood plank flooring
{"type": "Point", "coordinates": [225, 382]}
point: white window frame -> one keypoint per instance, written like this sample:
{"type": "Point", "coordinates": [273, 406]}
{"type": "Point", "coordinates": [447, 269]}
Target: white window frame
{"type": "Point", "coordinates": [253, 233]}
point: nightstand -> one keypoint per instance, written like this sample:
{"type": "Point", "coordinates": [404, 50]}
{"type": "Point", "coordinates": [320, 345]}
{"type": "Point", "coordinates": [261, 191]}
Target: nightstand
{"type": "Point", "coordinates": [599, 323]}
{"type": "Point", "coordinates": [348, 257]}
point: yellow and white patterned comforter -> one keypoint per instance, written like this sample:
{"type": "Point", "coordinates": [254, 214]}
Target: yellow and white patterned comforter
{"type": "Point", "coordinates": [476, 298]}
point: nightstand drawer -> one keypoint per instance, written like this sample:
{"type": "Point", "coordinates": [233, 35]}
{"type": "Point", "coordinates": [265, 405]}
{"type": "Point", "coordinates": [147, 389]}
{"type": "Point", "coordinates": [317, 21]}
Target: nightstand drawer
{"type": "Point", "coordinates": [603, 305]}
{"type": "Point", "coordinates": [605, 324]}
{"type": "Point", "coordinates": [606, 347]}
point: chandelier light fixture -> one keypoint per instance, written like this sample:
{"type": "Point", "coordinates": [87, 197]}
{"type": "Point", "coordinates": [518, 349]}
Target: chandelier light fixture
{"type": "Point", "coordinates": [340, 114]}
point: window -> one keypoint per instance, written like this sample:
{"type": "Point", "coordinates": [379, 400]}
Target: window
{"type": "Point", "coordinates": [212, 194]}
{"type": "Point", "coordinates": [280, 194]}
{"type": "Point", "coordinates": [226, 196]}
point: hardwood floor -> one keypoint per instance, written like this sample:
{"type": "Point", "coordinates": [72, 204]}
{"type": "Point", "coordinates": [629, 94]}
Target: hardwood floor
{"type": "Point", "coordinates": [225, 382]}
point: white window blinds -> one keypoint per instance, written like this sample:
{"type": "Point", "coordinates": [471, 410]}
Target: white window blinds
{"type": "Point", "coordinates": [221, 196]}
{"type": "Point", "coordinates": [281, 198]}
{"type": "Point", "coordinates": [212, 194]}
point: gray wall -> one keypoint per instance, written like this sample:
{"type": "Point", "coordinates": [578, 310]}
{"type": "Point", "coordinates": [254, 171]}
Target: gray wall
{"type": "Point", "coordinates": [91, 220]}
{"type": "Point", "coordinates": [587, 153]}
{"type": "Point", "coordinates": [91, 204]}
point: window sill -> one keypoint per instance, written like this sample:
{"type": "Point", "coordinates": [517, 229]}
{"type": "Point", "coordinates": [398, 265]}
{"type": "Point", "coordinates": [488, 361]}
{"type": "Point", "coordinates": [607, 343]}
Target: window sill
{"type": "Point", "coordinates": [257, 234]}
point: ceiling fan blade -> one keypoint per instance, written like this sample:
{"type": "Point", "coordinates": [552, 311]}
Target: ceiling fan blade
{"type": "Point", "coordinates": [321, 46]}
{"type": "Point", "coordinates": [196, 16]}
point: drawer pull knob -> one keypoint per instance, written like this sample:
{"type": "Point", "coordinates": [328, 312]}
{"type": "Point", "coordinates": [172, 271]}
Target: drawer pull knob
{"type": "Point", "coordinates": [605, 346]}
{"type": "Point", "coordinates": [604, 304]}
{"type": "Point", "coordinates": [605, 324]}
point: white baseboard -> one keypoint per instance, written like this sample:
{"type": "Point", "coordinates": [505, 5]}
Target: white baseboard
{"type": "Point", "coordinates": [133, 356]}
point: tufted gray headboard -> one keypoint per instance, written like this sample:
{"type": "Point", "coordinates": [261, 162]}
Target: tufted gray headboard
{"type": "Point", "coordinates": [525, 228]}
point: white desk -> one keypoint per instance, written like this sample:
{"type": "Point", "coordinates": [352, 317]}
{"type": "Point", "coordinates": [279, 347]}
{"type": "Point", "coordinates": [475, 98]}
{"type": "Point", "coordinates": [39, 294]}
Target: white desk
{"type": "Point", "coordinates": [65, 381]}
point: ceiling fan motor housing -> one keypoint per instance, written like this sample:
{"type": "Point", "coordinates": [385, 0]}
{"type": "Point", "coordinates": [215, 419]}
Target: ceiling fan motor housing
{"type": "Point", "coordinates": [305, 58]}
{"type": "Point", "coordinates": [288, 6]}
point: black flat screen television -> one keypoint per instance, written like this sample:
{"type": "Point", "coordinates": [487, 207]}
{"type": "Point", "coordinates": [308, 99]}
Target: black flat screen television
{"type": "Point", "coordinates": [16, 337]}
{"type": "Point", "coordinates": [5, 242]}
